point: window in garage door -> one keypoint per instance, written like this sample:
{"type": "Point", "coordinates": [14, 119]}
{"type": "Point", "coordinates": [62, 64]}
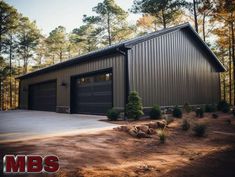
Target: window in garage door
{"type": "Point", "coordinates": [42, 96]}
{"type": "Point", "coordinates": [93, 93]}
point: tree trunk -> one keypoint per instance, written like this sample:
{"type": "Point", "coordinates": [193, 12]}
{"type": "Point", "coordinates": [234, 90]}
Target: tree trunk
{"type": "Point", "coordinates": [230, 71]}
{"type": "Point", "coordinates": [195, 15]}
{"type": "Point", "coordinates": [1, 96]}
{"type": "Point", "coordinates": [233, 57]}
{"type": "Point", "coordinates": [163, 19]}
{"type": "Point", "coordinates": [10, 71]}
{"type": "Point", "coordinates": [203, 27]}
{"type": "Point", "coordinates": [109, 30]}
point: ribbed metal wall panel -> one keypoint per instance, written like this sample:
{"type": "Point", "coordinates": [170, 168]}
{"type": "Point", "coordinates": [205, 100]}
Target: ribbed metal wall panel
{"type": "Point", "coordinates": [63, 75]}
{"type": "Point", "coordinates": [172, 69]}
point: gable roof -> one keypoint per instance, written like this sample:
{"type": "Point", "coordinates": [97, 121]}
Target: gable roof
{"type": "Point", "coordinates": [125, 45]}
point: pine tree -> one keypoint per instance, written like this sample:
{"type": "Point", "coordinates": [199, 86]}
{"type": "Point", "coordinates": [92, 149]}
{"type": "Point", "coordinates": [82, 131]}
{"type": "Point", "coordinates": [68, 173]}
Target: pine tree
{"type": "Point", "coordinates": [134, 108]}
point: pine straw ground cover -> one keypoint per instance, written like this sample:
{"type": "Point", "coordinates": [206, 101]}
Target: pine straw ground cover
{"type": "Point", "coordinates": [118, 153]}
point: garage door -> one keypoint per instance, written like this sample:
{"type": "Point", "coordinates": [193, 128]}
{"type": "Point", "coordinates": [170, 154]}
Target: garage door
{"type": "Point", "coordinates": [42, 96]}
{"type": "Point", "coordinates": [93, 94]}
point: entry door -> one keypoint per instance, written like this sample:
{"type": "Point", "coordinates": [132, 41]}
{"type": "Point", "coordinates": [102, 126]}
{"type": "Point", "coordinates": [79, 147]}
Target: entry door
{"type": "Point", "coordinates": [93, 93]}
{"type": "Point", "coordinates": [42, 96]}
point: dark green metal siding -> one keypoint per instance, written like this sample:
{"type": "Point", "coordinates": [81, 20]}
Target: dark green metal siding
{"type": "Point", "coordinates": [172, 69]}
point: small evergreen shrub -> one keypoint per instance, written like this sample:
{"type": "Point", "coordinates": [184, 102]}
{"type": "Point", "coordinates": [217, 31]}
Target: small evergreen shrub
{"type": "Point", "coordinates": [199, 112]}
{"type": "Point", "coordinates": [162, 136]}
{"type": "Point", "coordinates": [134, 108]}
{"type": "Point", "coordinates": [185, 125]}
{"type": "Point", "coordinates": [187, 108]}
{"type": "Point", "coordinates": [112, 114]}
{"type": "Point", "coordinates": [177, 112]}
{"type": "Point", "coordinates": [210, 108]}
{"type": "Point", "coordinates": [223, 106]}
{"type": "Point", "coordinates": [155, 112]}
{"type": "Point", "coordinates": [215, 116]}
{"type": "Point", "coordinates": [200, 129]}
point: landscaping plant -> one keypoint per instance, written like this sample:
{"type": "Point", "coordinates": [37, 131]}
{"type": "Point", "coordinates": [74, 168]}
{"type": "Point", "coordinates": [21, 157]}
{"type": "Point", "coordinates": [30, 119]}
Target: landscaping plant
{"type": "Point", "coordinates": [199, 112]}
{"type": "Point", "coordinates": [155, 112]}
{"type": "Point", "coordinates": [223, 106]}
{"type": "Point", "coordinates": [162, 135]}
{"type": "Point", "coordinates": [177, 112]}
{"type": "Point", "coordinates": [134, 108]}
{"type": "Point", "coordinates": [200, 129]}
{"type": "Point", "coordinates": [112, 114]}
{"type": "Point", "coordinates": [187, 108]}
{"type": "Point", "coordinates": [185, 125]}
{"type": "Point", "coordinates": [210, 108]}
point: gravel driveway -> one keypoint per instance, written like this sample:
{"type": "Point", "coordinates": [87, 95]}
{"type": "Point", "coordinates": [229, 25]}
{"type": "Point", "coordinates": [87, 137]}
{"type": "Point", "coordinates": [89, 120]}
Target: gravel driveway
{"type": "Point", "coordinates": [23, 124]}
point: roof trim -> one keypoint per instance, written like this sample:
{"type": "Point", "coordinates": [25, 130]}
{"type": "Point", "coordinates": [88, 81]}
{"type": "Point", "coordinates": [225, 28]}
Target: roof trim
{"type": "Point", "coordinates": [124, 45]}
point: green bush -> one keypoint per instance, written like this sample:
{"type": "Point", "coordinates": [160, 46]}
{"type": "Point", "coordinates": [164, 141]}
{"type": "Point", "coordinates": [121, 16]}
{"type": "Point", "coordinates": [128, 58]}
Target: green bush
{"type": "Point", "coordinates": [215, 116]}
{"type": "Point", "coordinates": [177, 112]}
{"type": "Point", "coordinates": [223, 106]}
{"type": "Point", "coordinates": [112, 114]}
{"type": "Point", "coordinates": [155, 112]}
{"type": "Point", "coordinates": [162, 135]}
{"type": "Point", "coordinates": [210, 108]}
{"type": "Point", "coordinates": [199, 112]}
{"type": "Point", "coordinates": [200, 129]}
{"type": "Point", "coordinates": [185, 125]}
{"type": "Point", "coordinates": [187, 108]}
{"type": "Point", "coordinates": [134, 108]}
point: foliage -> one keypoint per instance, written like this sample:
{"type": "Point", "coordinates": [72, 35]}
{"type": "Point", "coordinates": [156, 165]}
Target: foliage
{"type": "Point", "coordinates": [215, 116]}
{"type": "Point", "coordinates": [210, 108]}
{"type": "Point", "coordinates": [134, 108]}
{"type": "Point", "coordinates": [162, 135]}
{"type": "Point", "coordinates": [187, 108]}
{"type": "Point", "coordinates": [223, 106]}
{"type": "Point", "coordinates": [109, 18]}
{"type": "Point", "coordinates": [185, 124]}
{"type": "Point", "coordinates": [200, 129]}
{"type": "Point", "coordinates": [177, 112]}
{"type": "Point", "coordinates": [164, 11]}
{"type": "Point", "coordinates": [28, 38]}
{"type": "Point", "coordinates": [199, 112]}
{"type": "Point", "coordinates": [155, 112]}
{"type": "Point", "coordinates": [112, 114]}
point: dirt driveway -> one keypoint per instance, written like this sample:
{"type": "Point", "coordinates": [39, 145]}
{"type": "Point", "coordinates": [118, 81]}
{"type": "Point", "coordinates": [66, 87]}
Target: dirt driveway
{"type": "Point", "coordinates": [22, 124]}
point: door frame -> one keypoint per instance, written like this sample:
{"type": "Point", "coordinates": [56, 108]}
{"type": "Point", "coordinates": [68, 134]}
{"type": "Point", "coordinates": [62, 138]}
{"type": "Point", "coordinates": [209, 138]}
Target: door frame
{"type": "Point", "coordinates": [38, 83]}
{"type": "Point", "coordinates": [73, 78]}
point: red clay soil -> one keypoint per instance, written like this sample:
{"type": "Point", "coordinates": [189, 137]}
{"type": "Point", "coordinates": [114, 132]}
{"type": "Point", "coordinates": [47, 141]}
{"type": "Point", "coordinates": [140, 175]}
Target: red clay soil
{"type": "Point", "coordinates": [114, 153]}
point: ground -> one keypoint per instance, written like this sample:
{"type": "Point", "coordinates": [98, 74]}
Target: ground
{"type": "Point", "coordinates": [114, 153]}
{"type": "Point", "coordinates": [25, 125]}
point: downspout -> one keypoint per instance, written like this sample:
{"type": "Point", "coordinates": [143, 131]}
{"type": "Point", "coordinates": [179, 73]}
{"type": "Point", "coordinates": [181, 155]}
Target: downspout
{"type": "Point", "coordinates": [124, 51]}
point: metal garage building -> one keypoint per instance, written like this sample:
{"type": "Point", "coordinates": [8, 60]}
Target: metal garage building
{"type": "Point", "coordinates": [167, 67]}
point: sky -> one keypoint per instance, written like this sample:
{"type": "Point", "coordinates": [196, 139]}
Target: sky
{"type": "Point", "coordinates": [49, 14]}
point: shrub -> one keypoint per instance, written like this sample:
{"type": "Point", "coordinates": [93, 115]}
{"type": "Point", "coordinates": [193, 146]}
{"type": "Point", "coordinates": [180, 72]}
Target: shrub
{"type": "Point", "coordinates": [187, 108]}
{"type": "Point", "coordinates": [210, 108]}
{"type": "Point", "coordinates": [177, 112]}
{"type": "Point", "coordinates": [215, 116]}
{"type": "Point", "coordinates": [228, 121]}
{"type": "Point", "coordinates": [134, 108]}
{"type": "Point", "coordinates": [185, 125]}
{"type": "Point", "coordinates": [162, 135]}
{"type": "Point", "coordinates": [199, 112]}
{"type": "Point", "coordinates": [223, 106]}
{"type": "Point", "coordinates": [155, 112]}
{"type": "Point", "coordinates": [200, 129]}
{"type": "Point", "coordinates": [112, 114]}
{"type": "Point", "coordinates": [169, 120]}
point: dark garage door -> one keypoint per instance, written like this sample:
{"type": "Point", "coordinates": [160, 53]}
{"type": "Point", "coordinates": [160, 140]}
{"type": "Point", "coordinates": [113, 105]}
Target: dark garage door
{"type": "Point", "coordinates": [42, 96]}
{"type": "Point", "coordinates": [93, 94]}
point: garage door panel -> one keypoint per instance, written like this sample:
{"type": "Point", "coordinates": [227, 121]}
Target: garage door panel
{"type": "Point", "coordinates": [93, 94]}
{"type": "Point", "coordinates": [42, 96]}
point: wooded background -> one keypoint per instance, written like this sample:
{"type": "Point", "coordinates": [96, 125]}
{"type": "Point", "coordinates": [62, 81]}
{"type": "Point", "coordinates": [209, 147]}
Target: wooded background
{"type": "Point", "coordinates": [23, 47]}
